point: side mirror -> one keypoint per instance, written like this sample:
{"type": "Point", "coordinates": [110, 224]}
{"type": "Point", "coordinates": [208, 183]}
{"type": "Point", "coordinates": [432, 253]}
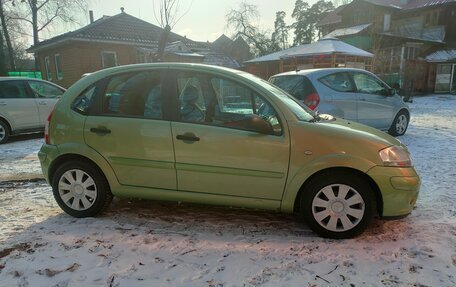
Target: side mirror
{"type": "Point", "coordinates": [391, 92]}
{"type": "Point", "coordinates": [253, 123]}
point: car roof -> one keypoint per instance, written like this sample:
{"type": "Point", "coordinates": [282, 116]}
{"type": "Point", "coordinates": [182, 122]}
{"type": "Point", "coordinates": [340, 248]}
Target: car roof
{"type": "Point", "coordinates": [321, 71]}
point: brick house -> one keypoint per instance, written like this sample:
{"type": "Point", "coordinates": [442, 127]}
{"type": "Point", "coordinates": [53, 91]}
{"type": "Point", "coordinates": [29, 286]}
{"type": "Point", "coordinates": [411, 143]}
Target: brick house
{"type": "Point", "coordinates": [401, 34]}
{"type": "Point", "coordinates": [116, 40]}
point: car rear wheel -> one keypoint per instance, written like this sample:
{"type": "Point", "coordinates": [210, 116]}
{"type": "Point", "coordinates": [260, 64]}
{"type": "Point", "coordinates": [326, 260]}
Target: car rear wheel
{"type": "Point", "coordinates": [400, 124]}
{"type": "Point", "coordinates": [4, 132]}
{"type": "Point", "coordinates": [338, 205]}
{"type": "Point", "coordinates": [80, 189]}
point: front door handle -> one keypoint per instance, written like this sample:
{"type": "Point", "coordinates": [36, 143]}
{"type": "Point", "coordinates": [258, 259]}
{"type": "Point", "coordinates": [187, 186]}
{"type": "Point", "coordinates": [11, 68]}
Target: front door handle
{"type": "Point", "coordinates": [190, 137]}
{"type": "Point", "coordinates": [43, 103]}
{"type": "Point", "coordinates": [3, 104]}
{"type": "Point", "coordinates": [100, 130]}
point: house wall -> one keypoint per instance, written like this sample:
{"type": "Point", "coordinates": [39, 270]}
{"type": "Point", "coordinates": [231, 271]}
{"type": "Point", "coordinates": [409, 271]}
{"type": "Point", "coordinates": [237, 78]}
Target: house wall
{"type": "Point", "coordinates": [78, 58]}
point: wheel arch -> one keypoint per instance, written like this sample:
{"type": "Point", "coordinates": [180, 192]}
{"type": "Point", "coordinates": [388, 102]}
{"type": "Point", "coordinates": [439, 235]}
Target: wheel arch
{"type": "Point", "coordinates": [346, 170]}
{"type": "Point", "coordinates": [3, 119]}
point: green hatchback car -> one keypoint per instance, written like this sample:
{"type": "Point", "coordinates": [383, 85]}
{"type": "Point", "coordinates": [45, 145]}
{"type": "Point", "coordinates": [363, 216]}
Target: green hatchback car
{"type": "Point", "coordinates": [206, 134]}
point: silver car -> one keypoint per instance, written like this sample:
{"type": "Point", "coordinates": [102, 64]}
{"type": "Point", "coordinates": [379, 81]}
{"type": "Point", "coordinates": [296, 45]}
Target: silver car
{"type": "Point", "coordinates": [25, 105]}
{"type": "Point", "coordinates": [352, 94]}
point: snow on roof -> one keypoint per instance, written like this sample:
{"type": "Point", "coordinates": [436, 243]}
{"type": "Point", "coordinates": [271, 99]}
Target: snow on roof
{"type": "Point", "coordinates": [323, 46]}
{"type": "Point", "coordinates": [348, 31]}
{"type": "Point", "coordinates": [442, 56]}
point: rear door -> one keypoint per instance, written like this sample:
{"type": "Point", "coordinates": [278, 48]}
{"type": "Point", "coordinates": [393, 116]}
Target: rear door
{"type": "Point", "coordinates": [217, 151]}
{"type": "Point", "coordinates": [18, 105]}
{"type": "Point", "coordinates": [47, 96]}
{"type": "Point", "coordinates": [130, 129]}
{"type": "Point", "coordinates": [375, 107]}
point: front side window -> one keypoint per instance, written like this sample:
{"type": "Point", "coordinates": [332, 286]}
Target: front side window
{"type": "Point", "coordinates": [217, 101]}
{"type": "Point", "coordinates": [339, 82]}
{"type": "Point", "coordinates": [45, 90]}
{"type": "Point", "coordinates": [14, 90]}
{"type": "Point", "coordinates": [109, 59]}
{"type": "Point", "coordinates": [367, 84]}
{"type": "Point", "coordinates": [47, 67]}
{"type": "Point", "coordinates": [134, 94]}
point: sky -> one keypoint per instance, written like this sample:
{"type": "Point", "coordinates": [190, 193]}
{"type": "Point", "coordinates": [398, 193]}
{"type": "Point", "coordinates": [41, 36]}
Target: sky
{"type": "Point", "coordinates": [205, 19]}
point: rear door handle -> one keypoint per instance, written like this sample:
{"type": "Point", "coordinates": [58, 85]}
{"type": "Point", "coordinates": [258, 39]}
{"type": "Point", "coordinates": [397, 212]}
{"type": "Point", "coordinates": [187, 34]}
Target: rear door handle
{"type": "Point", "coordinates": [188, 137]}
{"type": "Point", "coordinates": [101, 130]}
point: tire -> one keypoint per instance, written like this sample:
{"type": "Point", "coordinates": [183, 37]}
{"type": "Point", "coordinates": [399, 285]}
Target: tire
{"type": "Point", "coordinates": [400, 124]}
{"type": "Point", "coordinates": [81, 189]}
{"type": "Point", "coordinates": [4, 132]}
{"type": "Point", "coordinates": [338, 205]}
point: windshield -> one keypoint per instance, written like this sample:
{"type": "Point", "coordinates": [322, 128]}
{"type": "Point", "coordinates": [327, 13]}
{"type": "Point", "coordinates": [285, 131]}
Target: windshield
{"type": "Point", "coordinates": [302, 112]}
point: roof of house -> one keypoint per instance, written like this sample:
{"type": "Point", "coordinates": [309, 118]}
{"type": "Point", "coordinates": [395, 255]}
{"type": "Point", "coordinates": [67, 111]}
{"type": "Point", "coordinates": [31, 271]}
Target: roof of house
{"type": "Point", "coordinates": [348, 31]}
{"type": "Point", "coordinates": [334, 17]}
{"type": "Point", "coordinates": [323, 46]}
{"type": "Point", "coordinates": [442, 56]}
{"type": "Point", "coordinates": [121, 28]}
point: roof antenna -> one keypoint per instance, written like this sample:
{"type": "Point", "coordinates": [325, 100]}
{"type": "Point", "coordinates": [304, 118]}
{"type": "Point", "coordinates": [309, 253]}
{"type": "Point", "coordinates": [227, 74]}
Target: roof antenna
{"type": "Point", "coordinates": [122, 9]}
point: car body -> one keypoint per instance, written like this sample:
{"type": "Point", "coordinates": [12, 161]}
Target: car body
{"type": "Point", "coordinates": [25, 105]}
{"type": "Point", "coordinates": [352, 94]}
{"type": "Point", "coordinates": [211, 135]}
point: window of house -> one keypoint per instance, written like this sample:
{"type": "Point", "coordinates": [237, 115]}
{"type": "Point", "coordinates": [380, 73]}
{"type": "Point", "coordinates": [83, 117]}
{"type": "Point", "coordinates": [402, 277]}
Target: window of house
{"type": "Point", "coordinates": [47, 67]}
{"type": "Point", "coordinates": [58, 67]}
{"type": "Point", "coordinates": [432, 18]}
{"type": "Point", "coordinates": [109, 59]}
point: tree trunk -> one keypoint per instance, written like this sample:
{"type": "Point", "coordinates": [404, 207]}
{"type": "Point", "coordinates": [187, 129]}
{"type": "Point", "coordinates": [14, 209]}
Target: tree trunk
{"type": "Point", "coordinates": [162, 43]}
{"type": "Point", "coordinates": [7, 38]}
{"type": "Point", "coordinates": [3, 69]}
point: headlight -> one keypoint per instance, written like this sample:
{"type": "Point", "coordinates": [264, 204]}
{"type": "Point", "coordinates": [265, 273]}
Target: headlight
{"type": "Point", "coordinates": [395, 156]}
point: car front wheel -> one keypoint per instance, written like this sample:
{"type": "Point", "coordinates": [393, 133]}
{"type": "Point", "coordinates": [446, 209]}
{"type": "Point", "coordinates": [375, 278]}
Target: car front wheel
{"type": "Point", "coordinates": [338, 205]}
{"type": "Point", "coordinates": [80, 189]}
{"type": "Point", "coordinates": [400, 124]}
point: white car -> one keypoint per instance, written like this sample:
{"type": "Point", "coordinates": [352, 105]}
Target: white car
{"type": "Point", "coordinates": [25, 105]}
{"type": "Point", "coordinates": [352, 94]}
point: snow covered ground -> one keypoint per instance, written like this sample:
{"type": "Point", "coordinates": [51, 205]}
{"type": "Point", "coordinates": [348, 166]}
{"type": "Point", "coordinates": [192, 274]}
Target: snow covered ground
{"type": "Point", "coordinates": [145, 243]}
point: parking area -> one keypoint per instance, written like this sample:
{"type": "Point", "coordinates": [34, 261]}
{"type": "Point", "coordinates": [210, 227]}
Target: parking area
{"type": "Point", "coordinates": [146, 243]}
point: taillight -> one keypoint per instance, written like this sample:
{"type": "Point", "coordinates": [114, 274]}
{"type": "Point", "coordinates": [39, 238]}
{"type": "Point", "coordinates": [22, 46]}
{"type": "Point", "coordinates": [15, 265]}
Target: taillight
{"type": "Point", "coordinates": [47, 140]}
{"type": "Point", "coordinates": [312, 100]}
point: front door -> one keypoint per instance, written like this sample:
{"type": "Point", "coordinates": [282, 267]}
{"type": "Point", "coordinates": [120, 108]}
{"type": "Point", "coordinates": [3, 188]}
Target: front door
{"type": "Point", "coordinates": [218, 150]}
{"type": "Point", "coordinates": [129, 129]}
{"type": "Point", "coordinates": [375, 106]}
{"type": "Point", "coordinates": [47, 96]}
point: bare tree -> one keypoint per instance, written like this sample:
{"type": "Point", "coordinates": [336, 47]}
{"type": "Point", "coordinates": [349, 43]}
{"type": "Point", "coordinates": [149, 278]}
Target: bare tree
{"type": "Point", "coordinates": [241, 21]}
{"type": "Point", "coordinates": [168, 16]}
{"type": "Point", "coordinates": [42, 13]}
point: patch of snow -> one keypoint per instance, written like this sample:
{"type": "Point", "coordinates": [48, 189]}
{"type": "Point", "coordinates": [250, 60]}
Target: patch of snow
{"type": "Point", "coordinates": [149, 243]}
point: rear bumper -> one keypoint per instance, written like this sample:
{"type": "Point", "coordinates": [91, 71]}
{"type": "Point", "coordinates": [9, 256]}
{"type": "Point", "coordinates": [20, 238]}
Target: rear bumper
{"type": "Point", "coordinates": [399, 188]}
{"type": "Point", "coordinates": [47, 154]}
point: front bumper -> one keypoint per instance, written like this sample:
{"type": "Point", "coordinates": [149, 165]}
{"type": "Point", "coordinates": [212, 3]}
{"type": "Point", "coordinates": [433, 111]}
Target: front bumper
{"type": "Point", "coordinates": [399, 188]}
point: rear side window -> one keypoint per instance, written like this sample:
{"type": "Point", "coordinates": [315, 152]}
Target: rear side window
{"type": "Point", "coordinates": [296, 85]}
{"type": "Point", "coordinates": [134, 94]}
{"type": "Point", "coordinates": [14, 90]}
{"type": "Point", "coordinates": [339, 82]}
